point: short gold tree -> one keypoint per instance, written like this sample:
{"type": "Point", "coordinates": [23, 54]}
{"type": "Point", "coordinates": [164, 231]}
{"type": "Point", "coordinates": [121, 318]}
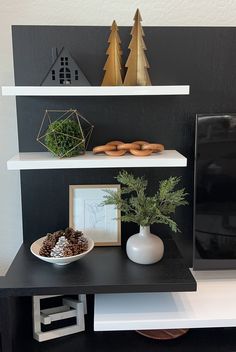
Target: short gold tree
{"type": "Point", "coordinates": [137, 63]}
{"type": "Point", "coordinates": [113, 65]}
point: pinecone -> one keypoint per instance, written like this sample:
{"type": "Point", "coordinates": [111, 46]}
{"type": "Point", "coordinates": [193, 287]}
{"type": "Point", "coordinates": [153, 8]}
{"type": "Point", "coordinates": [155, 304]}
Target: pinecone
{"type": "Point", "coordinates": [68, 252]}
{"type": "Point", "coordinates": [58, 234]}
{"type": "Point", "coordinates": [69, 232]}
{"type": "Point", "coordinates": [84, 243]}
{"type": "Point", "coordinates": [73, 238]}
{"type": "Point", "coordinates": [78, 233]}
{"type": "Point", "coordinates": [64, 243]}
{"type": "Point", "coordinates": [47, 246]}
{"type": "Point", "coordinates": [49, 236]}
{"type": "Point", "coordinates": [81, 246]}
{"type": "Point", "coordinates": [45, 251]}
{"type": "Point", "coordinates": [70, 248]}
{"type": "Point", "coordinates": [49, 240]}
{"type": "Point", "coordinates": [76, 249]}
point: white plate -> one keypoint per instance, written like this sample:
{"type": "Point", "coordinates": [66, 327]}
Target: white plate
{"type": "Point", "coordinates": [35, 248]}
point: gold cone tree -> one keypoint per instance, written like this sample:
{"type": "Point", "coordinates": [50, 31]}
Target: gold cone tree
{"type": "Point", "coordinates": [137, 63]}
{"type": "Point", "coordinates": [113, 65]}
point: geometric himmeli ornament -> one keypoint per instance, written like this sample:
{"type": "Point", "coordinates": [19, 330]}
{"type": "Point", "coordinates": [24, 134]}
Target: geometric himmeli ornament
{"type": "Point", "coordinates": [65, 133]}
{"type": "Point", "coordinates": [137, 63]}
{"type": "Point", "coordinates": [64, 71]}
{"type": "Point", "coordinates": [113, 65]}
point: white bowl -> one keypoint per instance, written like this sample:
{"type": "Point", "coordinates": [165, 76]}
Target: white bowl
{"type": "Point", "coordinates": [35, 248]}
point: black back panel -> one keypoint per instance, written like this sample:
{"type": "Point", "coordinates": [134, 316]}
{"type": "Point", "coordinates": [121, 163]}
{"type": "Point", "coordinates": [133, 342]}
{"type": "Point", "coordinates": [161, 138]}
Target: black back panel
{"type": "Point", "coordinates": [205, 58]}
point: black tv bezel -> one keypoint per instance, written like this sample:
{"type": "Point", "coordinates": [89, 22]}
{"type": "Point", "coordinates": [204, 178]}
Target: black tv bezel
{"type": "Point", "coordinates": [199, 263]}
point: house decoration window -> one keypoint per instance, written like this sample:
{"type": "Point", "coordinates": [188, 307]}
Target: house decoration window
{"type": "Point", "coordinates": [65, 76]}
{"type": "Point", "coordinates": [53, 75]}
{"type": "Point", "coordinates": [76, 75]}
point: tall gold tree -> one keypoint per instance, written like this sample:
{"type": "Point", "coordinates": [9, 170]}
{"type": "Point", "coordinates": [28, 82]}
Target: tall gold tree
{"type": "Point", "coordinates": [137, 63]}
{"type": "Point", "coordinates": [113, 65]}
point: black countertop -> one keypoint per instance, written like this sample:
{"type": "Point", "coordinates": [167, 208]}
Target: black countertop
{"type": "Point", "coordinates": [104, 270]}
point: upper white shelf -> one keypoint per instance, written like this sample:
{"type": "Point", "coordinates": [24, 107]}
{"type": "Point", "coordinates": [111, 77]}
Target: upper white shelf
{"type": "Point", "coordinates": [45, 160]}
{"type": "Point", "coordinates": [95, 90]}
{"type": "Point", "coordinates": [212, 305]}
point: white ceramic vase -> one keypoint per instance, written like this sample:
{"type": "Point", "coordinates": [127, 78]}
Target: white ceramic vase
{"type": "Point", "coordinates": [144, 247]}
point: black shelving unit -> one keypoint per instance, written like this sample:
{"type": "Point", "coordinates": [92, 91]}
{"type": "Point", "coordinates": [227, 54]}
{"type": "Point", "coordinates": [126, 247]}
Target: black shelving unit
{"type": "Point", "coordinates": [108, 270]}
{"type": "Point", "coordinates": [104, 270]}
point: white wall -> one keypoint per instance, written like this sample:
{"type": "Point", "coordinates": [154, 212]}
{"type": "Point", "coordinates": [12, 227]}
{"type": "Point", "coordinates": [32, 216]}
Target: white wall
{"type": "Point", "coordinates": [76, 12]}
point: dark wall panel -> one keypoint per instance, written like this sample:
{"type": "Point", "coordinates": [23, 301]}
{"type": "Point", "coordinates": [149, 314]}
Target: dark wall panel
{"type": "Point", "coordinates": [205, 58]}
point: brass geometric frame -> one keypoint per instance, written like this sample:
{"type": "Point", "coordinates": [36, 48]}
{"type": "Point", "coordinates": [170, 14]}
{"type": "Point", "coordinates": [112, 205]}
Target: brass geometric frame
{"type": "Point", "coordinates": [86, 128]}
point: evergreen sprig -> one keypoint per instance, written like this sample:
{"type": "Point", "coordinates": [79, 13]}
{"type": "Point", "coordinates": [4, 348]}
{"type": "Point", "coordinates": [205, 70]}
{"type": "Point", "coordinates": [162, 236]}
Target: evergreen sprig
{"type": "Point", "coordinates": [137, 207]}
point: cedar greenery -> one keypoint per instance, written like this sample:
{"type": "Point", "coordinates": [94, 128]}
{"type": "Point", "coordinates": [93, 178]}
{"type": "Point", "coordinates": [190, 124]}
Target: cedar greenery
{"type": "Point", "coordinates": [65, 138]}
{"type": "Point", "coordinates": [144, 210]}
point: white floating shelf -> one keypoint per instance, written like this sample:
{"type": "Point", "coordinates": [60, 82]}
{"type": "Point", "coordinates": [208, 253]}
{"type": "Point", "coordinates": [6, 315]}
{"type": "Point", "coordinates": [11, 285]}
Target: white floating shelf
{"type": "Point", "coordinates": [212, 305]}
{"type": "Point", "coordinates": [45, 160]}
{"type": "Point", "coordinates": [95, 90]}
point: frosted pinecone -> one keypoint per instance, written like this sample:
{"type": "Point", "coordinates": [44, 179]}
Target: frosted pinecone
{"type": "Point", "coordinates": [58, 250]}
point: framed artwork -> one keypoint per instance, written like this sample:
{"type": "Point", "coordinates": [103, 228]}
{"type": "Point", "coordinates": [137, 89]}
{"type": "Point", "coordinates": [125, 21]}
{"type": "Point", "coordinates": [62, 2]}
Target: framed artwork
{"type": "Point", "coordinates": [101, 223]}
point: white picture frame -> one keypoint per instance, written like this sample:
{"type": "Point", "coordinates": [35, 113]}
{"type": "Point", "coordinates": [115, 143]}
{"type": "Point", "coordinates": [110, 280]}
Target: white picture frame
{"type": "Point", "coordinates": [101, 223]}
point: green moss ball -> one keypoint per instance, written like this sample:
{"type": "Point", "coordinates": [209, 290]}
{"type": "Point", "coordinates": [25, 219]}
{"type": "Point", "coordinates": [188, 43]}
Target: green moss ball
{"type": "Point", "coordinates": [65, 139]}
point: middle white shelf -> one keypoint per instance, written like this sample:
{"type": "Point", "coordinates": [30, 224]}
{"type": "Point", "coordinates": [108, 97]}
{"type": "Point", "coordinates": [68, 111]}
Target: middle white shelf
{"type": "Point", "coordinates": [45, 160]}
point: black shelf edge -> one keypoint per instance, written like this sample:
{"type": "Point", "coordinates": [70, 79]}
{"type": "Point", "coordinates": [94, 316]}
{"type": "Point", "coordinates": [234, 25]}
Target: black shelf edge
{"type": "Point", "coordinates": [104, 270]}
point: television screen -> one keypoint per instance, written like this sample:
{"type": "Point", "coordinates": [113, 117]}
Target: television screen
{"type": "Point", "coordinates": [215, 192]}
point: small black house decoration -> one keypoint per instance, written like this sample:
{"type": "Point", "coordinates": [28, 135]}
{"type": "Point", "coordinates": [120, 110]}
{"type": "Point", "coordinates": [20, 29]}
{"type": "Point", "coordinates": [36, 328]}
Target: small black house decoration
{"type": "Point", "coordinates": [64, 71]}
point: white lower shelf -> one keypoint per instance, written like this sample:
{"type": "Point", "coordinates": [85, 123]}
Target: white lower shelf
{"type": "Point", "coordinates": [212, 305]}
{"type": "Point", "coordinates": [45, 160]}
